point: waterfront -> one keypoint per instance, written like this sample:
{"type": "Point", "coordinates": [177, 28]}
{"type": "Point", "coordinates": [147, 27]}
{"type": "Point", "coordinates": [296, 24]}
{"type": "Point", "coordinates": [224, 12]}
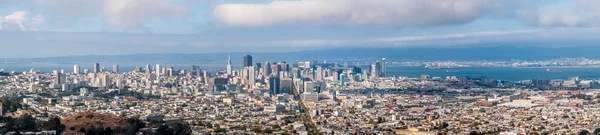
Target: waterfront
{"type": "Point", "coordinates": [500, 73]}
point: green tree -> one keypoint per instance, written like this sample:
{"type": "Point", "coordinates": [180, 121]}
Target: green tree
{"type": "Point", "coordinates": [584, 132]}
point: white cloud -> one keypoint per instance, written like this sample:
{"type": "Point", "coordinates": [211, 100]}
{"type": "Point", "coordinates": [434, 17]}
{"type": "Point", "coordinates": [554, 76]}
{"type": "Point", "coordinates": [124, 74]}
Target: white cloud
{"type": "Point", "coordinates": [356, 12]}
{"type": "Point", "coordinates": [21, 19]}
{"type": "Point", "coordinates": [576, 14]}
{"type": "Point", "coordinates": [130, 13]}
{"type": "Point", "coordinates": [114, 13]}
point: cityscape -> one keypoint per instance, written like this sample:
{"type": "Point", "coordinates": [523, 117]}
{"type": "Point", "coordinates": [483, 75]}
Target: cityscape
{"type": "Point", "coordinates": [299, 67]}
{"type": "Point", "coordinates": [303, 98]}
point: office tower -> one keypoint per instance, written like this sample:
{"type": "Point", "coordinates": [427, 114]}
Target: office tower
{"type": "Point", "coordinates": [148, 69]}
{"type": "Point", "coordinates": [96, 67]}
{"type": "Point", "coordinates": [169, 71]}
{"type": "Point", "coordinates": [251, 77]}
{"type": "Point", "coordinates": [319, 73]}
{"type": "Point", "coordinates": [247, 61]}
{"type": "Point", "coordinates": [274, 86]}
{"type": "Point", "coordinates": [383, 68]}
{"type": "Point", "coordinates": [137, 69]}
{"type": "Point", "coordinates": [105, 80]}
{"type": "Point", "coordinates": [60, 78]}
{"type": "Point", "coordinates": [229, 65]}
{"type": "Point", "coordinates": [258, 66]}
{"type": "Point", "coordinates": [116, 68]}
{"type": "Point", "coordinates": [287, 85]}
{"type": "Point", "coordinates": [217, 84]}
{"type": "Point", "coordinates": [158, 69]}
{"type": "Point", "coordinates": [378, 69]}
{"type": "Point", "coordinates": [205, 78]}
{"type": "Point", "coordinates": [76, 69]}
{"type": "Point", "coordinates": [267, 69]}
{"type": "Point", "coordinates": [342, 79]}
{"type": "Point", "coordinates": [275, 69]}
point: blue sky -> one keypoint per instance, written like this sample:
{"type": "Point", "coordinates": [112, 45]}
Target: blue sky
{"type": "Point", "coordinates": [45, 28]}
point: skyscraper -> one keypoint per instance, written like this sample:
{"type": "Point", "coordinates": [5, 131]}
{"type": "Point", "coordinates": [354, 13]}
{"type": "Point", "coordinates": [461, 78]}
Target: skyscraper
{"type": "Point", "coordinates": [274, 86]}
{"type": "Point", "coordinates": [96, 67]}
{"type": "Point", "coordinates": [148, 69]}
{"type": "Point", "coordinates": [267, 69]}
{"type": "Point", "coordinates": [251, 77]}
{"type": "Point", "coordinates": [76, 69]}
{"type": "Point", "coordinates": [383, 70]}
{"type": "Point", "coordinates": [60, 78]}
{"type": "Point", "coordinates": [247, 61]}
{"type": "Point", "coordinates": [158, 69]}
{"type": "Point", "coordinates": [229, 66]}
{"type": "Point", "coordinates": [116, 68]}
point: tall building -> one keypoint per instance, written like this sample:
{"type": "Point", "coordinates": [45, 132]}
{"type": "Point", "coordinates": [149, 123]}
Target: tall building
{"type": "Point", "coordinates": [267, 69]}
{"type": "Point", "coordinates": [158, 69]}
{"type": "Point", "coordinates": [148, 69]}
{"type": "Point", "coordinates": [287, 85]}
{"type": "Point", "coordinates": [229, 66]}
{"type": "Point", "coordinates": [383, 68]}
{"type": "Point", "coordinates": [169, 71]}
{"type": "Point", "coordinates": [378, 69]}
{"type": "Point", "coordinates": [342, 79]}
{"type": "Point", "coordinates": [116, 68]}
{"type": "Point", "coordinates": [247, 61]}
{"type": "Point", "coordinates": [96, 67]}
{"type": "Point", "coordinates": [274, 86]}
{"type": "Point", "coordinates": [76, 69]}
{"type": "Point", "coordinates": [60, 78]}
{"type": "Point", "coordinates": [251, 77]}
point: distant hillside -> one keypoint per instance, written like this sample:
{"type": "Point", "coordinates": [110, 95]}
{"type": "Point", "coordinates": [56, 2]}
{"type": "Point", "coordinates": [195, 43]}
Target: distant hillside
{"type": "Point", "coordinates": [392, 53]}
{"type": "Point", "coordinates": [87, 120]}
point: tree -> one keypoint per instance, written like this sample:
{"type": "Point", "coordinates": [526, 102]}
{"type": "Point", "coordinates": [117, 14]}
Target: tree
{"type": "Point", "coordinates": [82, 130]}
{"type": "Point", "coordinates": [584, 132]}
{"type": "Point", "coordinates": [597, 131]}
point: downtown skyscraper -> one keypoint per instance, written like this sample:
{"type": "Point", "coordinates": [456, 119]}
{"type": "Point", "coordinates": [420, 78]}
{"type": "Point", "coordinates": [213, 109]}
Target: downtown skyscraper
{"type": "Point", "coordinates": [116, 68]}
{"type": "Point", "coordinates": [247, 61]}
{"type": "Point", "coordinates": [229, 67]}
{"type": "Point", "coordinates": [96, 67]}
{"type": "Point", "coordinates": [76, 69]}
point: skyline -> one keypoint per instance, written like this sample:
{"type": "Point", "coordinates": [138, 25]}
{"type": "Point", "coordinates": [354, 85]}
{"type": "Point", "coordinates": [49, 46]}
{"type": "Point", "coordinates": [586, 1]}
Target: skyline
{"type": "Point", "coordinates": [48, 28]}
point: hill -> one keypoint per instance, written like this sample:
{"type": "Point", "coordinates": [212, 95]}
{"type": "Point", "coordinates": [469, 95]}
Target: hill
{"type": "Point", "coordinates": [88, 120]}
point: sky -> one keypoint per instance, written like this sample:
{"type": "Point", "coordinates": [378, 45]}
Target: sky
{"type": "Point", "coordinates": [48, 28]}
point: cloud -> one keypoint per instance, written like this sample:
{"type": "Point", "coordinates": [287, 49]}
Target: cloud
{"type": "Point", "coordinates": [357, 12]}
{"type": "Point", "coordinates": [578, 13]}
{"type": "Point", "coordinates": [131, 13]}
{"type": "Point", "coordinates": [114, 13]}
{"type": "Point", "coordinates": [21, 19]}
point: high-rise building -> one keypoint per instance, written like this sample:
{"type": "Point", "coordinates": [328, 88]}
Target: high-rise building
{"type": "Point", "coordinates": [378, 69]}
{"type": "Point", "coordinates": [342, 79]}
{"type": "Point", "coordinates": [116, 68]}
{"type": "Point", "coordinates": [60, 78]}
{"type": "Point", "coordinates": [287, 85]}
{"type": "Point", "coordinates": [76, 69]}
{"type": "Point", "coordinates": [267, 69]}
{"type": "Point", "coordinates": [158, 69]}
{"type": "Point", "coordinates": [229, 67]}
{"type": "Point", "coordinates": [247, 61]}
{"type": "Point", "coordinates": [96, 67]}
{"type": "Point", "coordinates": [169, 71]}
{"type": "Point", "coordinates": [251, 77]}
{"type": "Point", "coordinates": [148, 69]}
{"type": "Point", "coordinates": [383, 68]}
{"type": "Point", "coordinates": [274, 86]}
